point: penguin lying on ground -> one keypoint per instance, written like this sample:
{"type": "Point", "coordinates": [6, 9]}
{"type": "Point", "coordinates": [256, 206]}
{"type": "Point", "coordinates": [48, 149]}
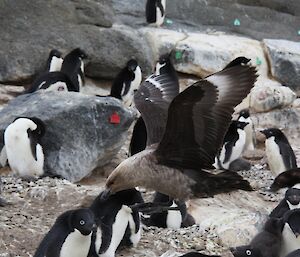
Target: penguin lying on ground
{"type": "Point", "coordinates": [73, 67]}
{"type": "Point", "coordinates": [70, 235]}
{"type": "Point", "coordinates": [22, 142]}
{"type": "Point", "coordinates": [127, 82]}
{"type": "Point", "coordinates": [290, 232]}
{"type": "Point", "coordinates": [116, 220]}
{"type": "Point", "coordinates": [287, 178]}
{"type": "Point", "coordinates": [155, 12]}
{"type": "Point", "coordinates": [291, 201]}
{"type": "Point", "coordinates": [265, 244]}
{"type": "Point", "coordinates": [244, 116]}
{"type": "Point", "coordinates": [233, 145]}
{"type": "Point", "coordinates": [169, 219]}
{"type": "Point", "coordinates": [280, 154]}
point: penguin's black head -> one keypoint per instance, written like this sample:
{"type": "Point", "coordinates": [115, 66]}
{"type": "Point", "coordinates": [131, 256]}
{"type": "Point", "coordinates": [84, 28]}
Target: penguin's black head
{"type": "Point", "coordinates": [245, 251]}
{"type": "Point", "coordinates": [164, 59]}
{"type": "Point", "coordinates": [288, 178]}
{"type": "Point", "coordinates": [292, 218]}
{"type": "Point", "coordinates": [244, 113]}
{"type": "Point", "coordinates": [235, 124]}
{"type": "Point", "coordinates": [131, 65]}
{"type": "Point", "coordinates": [273, 132]}
{"type": "Point", "coordinates": [83, 220]}
{"type": "Point", "coordinates": [293, 196]}
{"type": "Point", "coordinates": [55, 52]}
{"type": "Point", "coordinates": [78, 53]}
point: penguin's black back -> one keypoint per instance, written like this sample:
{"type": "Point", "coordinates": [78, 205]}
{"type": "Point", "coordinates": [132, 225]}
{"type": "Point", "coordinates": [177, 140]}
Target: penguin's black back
{"type": "Point", "coordinates": [123, 78]}
{"type": "Point", "coordinates": [46, 79]}
{"type": "Point", "coordinates": [151, 11]}
{"type": "Point", "coordinates": [139, 137]}
{"type": "Point", "coordinates": [287, 152]}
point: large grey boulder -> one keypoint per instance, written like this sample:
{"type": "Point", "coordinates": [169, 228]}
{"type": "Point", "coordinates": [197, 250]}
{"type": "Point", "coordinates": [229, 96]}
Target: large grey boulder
{"type": "Point", "coordinates": [79, 136]}
{"type": "Point", "coordinates": [284, 57]}
{"type": "Point", "coordinates": [30, 29]}
{"type": "Point", "coordinates": [256, 19]}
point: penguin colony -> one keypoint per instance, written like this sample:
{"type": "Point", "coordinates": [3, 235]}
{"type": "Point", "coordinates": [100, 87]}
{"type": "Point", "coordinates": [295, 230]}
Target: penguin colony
{"type": "Point", "coordinates": [176, 167]}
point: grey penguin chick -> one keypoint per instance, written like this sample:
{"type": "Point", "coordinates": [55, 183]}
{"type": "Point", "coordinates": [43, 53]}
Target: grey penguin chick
{"type": "Point", "coordinates": [70, 235]}
{"type": "Point", "coordinates": [267, 243]}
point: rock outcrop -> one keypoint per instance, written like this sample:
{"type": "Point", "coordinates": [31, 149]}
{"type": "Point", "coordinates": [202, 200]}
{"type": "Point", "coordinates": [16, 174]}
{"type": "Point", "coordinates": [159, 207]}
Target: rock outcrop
{"type": "Point", "coordinates": [79, 135]}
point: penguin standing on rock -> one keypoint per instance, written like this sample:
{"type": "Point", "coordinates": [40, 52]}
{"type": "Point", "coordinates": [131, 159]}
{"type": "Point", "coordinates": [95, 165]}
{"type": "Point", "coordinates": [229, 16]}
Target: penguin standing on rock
{"type": "Point", "coordinates": [127, 82]}
{"type": "Point", "coordinates": [233, 145]}
{"type": "Point", "coordinates": [70, 235]}
{"type": "Point", "coordinates": [244, 116]}
{"type": "Point", "coordinates": [291, 201]}
{"type": "Point", "coordinates": [73, 66]}
{"type": "Point", "coordinates": [54, 61]}
{"type": "Point", "coordinates": [280, 154]}
{"type": "Point", "coordinates": [116, 221]}
{"type": "Point", "coordinates": [156, 12]}
{"type": "Point", "coordinates": [22, 139]}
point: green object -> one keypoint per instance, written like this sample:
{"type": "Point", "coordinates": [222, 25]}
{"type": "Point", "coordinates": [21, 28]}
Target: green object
{"type": "Point", "coordinates": [178, 55]}
{"type": "Point", "coordinates": [298, 32]}
{"type": "Point", "coordinates": [258, 61]}
{"type": "Point", "coordinates": [236, 22]}
{"type": "Point", "coordinates": [168, 21]}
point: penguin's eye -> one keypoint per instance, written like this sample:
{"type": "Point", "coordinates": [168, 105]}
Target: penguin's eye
{"type": "Point", "coordinates": [82, 222]}
{"type": "Point", "coordinates": [248, 252]}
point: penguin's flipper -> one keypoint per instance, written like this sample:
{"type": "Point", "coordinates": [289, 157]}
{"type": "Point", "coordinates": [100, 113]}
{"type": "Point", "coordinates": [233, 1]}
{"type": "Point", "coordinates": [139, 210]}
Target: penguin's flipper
{"type": "Point", "coordinates": [3, 157]}
{"type": "Point", "coordinates": [136, 220]}
{"type": "Point", "coordinates": [33, 143]}
{"type": "Point", "coordinates": [280, 210]}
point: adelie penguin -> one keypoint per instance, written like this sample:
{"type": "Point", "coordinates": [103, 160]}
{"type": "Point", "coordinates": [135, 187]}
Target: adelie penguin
{"type": "Point", "coordinates": [172, 218]}
{"type": "Point", "coordinates": [70, 235]}
{"type": "Point", "coordinates": [23, 148]}
{"type": "Point", "coordinates": [127, 82]}
{"type": "Point", "coordinates": [54, 61]}
{"type": "Point", "coordinates": [52, 81]}
{"type": "Point", "coordinates": [233, 145]}
{"type": "Point", "coordinates": [116, 221]}
{"type": "Point", "coordinates": [291, 201]}
{"type": "Point", "coordinates": [290, 232]}
{"type": "Point", "coordinates": [155, 12]}
{"type": "Point", "coordinates": [244, 116]}
{"type": "Point", "coordinates": [267, 243]}
{"type": "Point", "coordinates": [288, 178]}
{"type": "Point", "coordinates": [73, 67]}
{"type": "Point", "coordinates": [280, 154]}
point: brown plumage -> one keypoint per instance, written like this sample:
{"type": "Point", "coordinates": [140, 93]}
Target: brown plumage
{"type": "Point", "coordinates": [184, 135]}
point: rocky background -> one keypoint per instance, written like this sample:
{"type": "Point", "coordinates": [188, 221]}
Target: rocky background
{"type": "Point", "coordinates": [204, 35]}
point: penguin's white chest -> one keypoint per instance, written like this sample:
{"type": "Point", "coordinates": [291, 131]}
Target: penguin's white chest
{"type": "Point", "coordinates": [76, 245]}
{"type": "Point", "coordinates": [289, 241]}
{"type": "Point", "coordinates": [249, 144]}
{"type": "Point", "coordinates": [19, 154]}
{"type": "Point", "coordinates": [159, 16]}
{"type": "Point", "coordinates": [134, 85]}
{"type": "Point", "coordinates": [274, 157]}
{"type": "Point", "coordinates": [55, 64]}
{"type": "Point", "coordinates": [174, 218]}
{"type": "Point", "coordinates": [135, 236]}
{"type": "Point", "coordinates": [292, 207]}
{"type": "Point", "coordinates": [118, 231]}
